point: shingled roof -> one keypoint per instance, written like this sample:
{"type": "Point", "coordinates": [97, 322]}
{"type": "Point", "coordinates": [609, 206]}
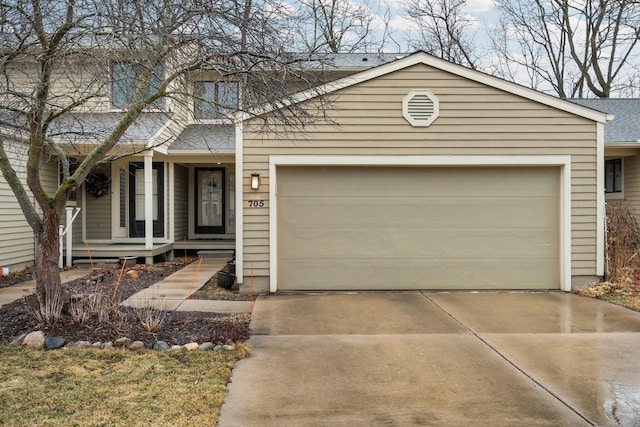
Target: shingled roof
{"type": "Point", "coordinates": [625, 127]}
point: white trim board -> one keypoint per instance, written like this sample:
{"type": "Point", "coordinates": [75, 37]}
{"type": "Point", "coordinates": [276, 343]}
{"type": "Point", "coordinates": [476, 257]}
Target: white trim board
{"type": "Point", "coordinates": [562, 161]}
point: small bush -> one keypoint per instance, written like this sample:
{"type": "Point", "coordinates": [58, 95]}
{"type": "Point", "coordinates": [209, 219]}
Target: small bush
{"type": "Point", "coordinates": [150, 317]}
{"type": "Point", "coordinates": [623, 243]}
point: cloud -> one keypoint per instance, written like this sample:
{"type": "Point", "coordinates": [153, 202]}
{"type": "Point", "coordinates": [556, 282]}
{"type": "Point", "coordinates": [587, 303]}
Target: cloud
{"type": "Point", "coordinates": [480, 6]}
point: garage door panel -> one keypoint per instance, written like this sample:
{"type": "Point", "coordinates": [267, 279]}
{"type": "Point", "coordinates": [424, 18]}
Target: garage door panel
{"type": "Point", "coordinates": [495, 227]}
{"type": "Point", "coordinates": [416, 181]}
{"type": "Point", "coordinates": [371, 274]}
{"type": "Point", "coordinates": [418, 242]}
{"type": "Point", "coordinates": [366, 212]}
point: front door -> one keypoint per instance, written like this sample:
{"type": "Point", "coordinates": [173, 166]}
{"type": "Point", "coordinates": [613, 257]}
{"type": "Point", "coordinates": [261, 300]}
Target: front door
{"type": "Point", "coordinates": [136, 199]}
{"type": "Point", "coordinates": [209, 199]}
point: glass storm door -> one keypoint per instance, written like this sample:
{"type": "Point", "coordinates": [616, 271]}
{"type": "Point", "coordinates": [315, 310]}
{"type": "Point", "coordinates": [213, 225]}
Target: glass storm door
{"type": "Point", "coordinates": [209, 209]}
{"type": "Point", "coordinates": [136, 199]}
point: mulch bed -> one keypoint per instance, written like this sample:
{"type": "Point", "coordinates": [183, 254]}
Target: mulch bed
{"type": "Point", "coordinates": [176, 327]}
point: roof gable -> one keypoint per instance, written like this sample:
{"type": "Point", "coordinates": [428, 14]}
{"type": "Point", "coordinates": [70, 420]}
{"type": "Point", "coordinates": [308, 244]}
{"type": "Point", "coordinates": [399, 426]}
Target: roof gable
{"type": "Point", "coordinates": [429, 60]}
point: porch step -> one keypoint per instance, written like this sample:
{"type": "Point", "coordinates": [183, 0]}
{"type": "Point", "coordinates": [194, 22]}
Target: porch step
{"type": "Point", "coordinates": [97, 262]}
{"type": "Point", "coordinates": [215, 253]}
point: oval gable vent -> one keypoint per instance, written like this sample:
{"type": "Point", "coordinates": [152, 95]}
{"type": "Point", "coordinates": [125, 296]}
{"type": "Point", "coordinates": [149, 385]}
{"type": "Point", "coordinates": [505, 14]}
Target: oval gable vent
{"type": "Point", "coordinates": [420, 107]}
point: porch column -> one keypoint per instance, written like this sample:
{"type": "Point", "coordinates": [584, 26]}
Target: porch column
{"type": "Point", "coordinates": [148, 200]}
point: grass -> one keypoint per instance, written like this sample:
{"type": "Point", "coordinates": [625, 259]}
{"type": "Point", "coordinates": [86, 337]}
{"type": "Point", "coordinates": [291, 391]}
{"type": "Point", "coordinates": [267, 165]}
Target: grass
{"type": "Point", "coordinates": [114, 388]}
{"type": "Point", "coordinates": [615, 293]}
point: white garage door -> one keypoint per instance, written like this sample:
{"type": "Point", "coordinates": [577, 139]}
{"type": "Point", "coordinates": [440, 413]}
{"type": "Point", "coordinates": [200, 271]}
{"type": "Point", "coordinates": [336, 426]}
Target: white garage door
{"type": "Point", "coordinates": [381, 228]}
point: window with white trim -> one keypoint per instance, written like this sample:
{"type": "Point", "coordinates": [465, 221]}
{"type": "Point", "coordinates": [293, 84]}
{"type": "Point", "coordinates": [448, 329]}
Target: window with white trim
{"type": "Point", "coordinates": [613, 176]}
{"type": "Point", "coordinates": [215, 100]}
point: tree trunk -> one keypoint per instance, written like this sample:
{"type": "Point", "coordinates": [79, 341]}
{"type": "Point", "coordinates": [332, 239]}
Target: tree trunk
{"type": "Point", "coordinates": [48, 284]}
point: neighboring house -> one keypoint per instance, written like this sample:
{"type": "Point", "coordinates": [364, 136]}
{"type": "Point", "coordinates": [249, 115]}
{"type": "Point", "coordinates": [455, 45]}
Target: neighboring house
{"type": "Point", "coordinates": [425, 175]}
{"type": "Point", "coordinates": [621, 149]}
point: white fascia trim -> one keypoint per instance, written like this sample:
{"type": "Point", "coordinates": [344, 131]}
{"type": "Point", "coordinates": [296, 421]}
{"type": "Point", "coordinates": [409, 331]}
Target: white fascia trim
{"type": "Point", "coordinates": [622, 144]}
{"type": "Point", "coordinates": [423, 58]}
{"type": "Point", "coordinates": [562, 161]}
{"type": "Point", "coordinates": [239, 204]}
{"type": "Point", "coordinates": [332, 160]}
{"type": "Point", "coordinates": [600, 200]}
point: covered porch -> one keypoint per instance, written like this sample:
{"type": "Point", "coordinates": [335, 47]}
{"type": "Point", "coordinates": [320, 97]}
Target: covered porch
{"type": "Point", "coordinates": [99, 252]}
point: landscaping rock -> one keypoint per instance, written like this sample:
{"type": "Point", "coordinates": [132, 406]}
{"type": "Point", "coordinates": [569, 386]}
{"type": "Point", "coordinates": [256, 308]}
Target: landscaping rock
{"type": "Point", "coordinates": [34, 340]}
{"type": "Point", "coordinates": [108, 345]}
{"type": "Point", "coordinates": [161, 346]}
{"type": "Point", "coordinates": [83, 344]}
{"type": "Point", "coordinates": [97, 344]}
{"type": "Point", "coordinates": [191, 346]}
{"type": "Point", "coordinates": [205, 346]}
{"type": "Point", "coordinates": [176, 347]}
{"type": "Point", "coordinates": [132, 274]}
{"type": "Point", "coordinates": [17, 341]}
{"type": "Point", "coordinates": [137, 345]}
{"type": "Point", "coordinates": [122, 342]}
{"type": "Point", "coordinates": [217, 348]}
{"type": "Point", "coordinates": [51, 343]}
{"type": "Point", "coordinates": [228, 347]}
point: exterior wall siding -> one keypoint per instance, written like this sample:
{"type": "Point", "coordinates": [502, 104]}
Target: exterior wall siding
{"type": "Point", "coordinates": [631, 170]}
{"type": "Point", "coordinates": [98, 212]}
{"type": "Point", "coordinates": [366, 119]}
{"type": "Point", "coordinates": [16, 236]}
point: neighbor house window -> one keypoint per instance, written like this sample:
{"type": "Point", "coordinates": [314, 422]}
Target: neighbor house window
{"type": "Point", "coordinates": [126, 77]}
{"type": "Point", "coordinates": [613, 176]}
{"type": "Point", "coordinates": [215, 100]}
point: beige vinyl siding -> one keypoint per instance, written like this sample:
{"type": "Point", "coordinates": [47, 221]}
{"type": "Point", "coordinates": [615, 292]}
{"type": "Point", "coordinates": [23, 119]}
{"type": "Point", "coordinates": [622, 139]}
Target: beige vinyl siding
{"type": "Point", "coordinates": [98, 214]}
{"type": "Point", "coordinates": [181, 200]}
{"type": "Point", "coordinates": [16, 236]}
{"type": "Point", "coordinates": [76, 79]}
{"type": "Point", "coordinates": [631, 171]}
{"type": "Point", "coordinates": [474, 120]}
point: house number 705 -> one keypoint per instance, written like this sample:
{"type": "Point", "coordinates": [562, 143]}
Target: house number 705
{"type": "Point", "coordinates": [256, 203]}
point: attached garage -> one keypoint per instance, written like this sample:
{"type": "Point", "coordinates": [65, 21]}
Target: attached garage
{"type": "Point", "coordinates": [424, 175]}
{"type": "Point", "coordinates": [385, 227]}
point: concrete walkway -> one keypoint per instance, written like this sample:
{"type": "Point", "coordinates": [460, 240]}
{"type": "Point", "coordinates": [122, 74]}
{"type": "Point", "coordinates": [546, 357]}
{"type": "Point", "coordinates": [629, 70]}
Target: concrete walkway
{"type": "Point", "coordinates": [459, 359]}
{"type": "Point", "coordinates": [20, 290]}
{"type": "Point", "coordinates": [172, 292]}
{"type": "Point", "coordinates": [169, 294]}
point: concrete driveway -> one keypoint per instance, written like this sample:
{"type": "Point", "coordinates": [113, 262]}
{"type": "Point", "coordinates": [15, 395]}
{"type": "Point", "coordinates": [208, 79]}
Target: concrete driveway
{"type": "Point", "coordinates": [413, 358]}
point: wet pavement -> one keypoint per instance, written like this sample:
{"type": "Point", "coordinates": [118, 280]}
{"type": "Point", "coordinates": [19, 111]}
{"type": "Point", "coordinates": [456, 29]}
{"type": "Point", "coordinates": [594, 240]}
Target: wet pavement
{"type": "Point", "coordinates": [412, 358]}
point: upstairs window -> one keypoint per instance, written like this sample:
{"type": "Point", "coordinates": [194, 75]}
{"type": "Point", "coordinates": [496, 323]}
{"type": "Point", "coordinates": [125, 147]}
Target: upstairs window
{"type": "Point", "coordinates": [613, 176]}
{"type": "Point", "coordinates": [215, 100]}
{"type": "Point", "coordinates": [126, 79]}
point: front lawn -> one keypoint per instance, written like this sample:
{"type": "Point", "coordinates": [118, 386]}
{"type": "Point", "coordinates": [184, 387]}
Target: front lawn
{"type": "Point", "coordinates": [113, 387]}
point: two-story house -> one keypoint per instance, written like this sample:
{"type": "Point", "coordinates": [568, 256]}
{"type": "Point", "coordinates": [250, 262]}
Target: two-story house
{"type": "Point", "coordinates": [419, 174]}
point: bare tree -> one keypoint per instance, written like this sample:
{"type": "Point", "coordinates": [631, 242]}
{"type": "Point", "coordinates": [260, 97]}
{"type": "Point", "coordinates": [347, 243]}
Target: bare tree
{"type": "Point", "coordinates": [446, 31]}
{"type": "Point", "coordinates": [61, 58]}
{"type": "Point", "coordinates": [336, 25]}
{"type": "Point", "coordinates": [571, 47]}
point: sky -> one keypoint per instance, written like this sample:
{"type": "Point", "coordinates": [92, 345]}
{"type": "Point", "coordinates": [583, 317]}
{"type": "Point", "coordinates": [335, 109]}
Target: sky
{"type": "Point", "coordinates": [481, 12]}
